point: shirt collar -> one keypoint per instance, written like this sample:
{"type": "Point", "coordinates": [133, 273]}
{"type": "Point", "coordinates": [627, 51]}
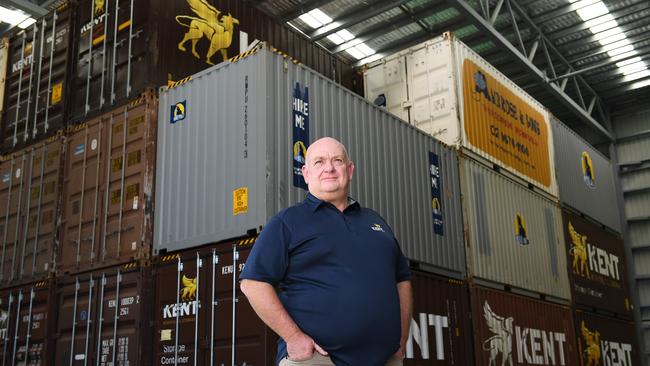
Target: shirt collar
{"type": "Point", "coordinates": [314, 202]}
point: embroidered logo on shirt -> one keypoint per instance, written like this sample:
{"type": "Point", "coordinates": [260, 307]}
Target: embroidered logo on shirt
{"type": "Point", "coordinates": [377, 227]}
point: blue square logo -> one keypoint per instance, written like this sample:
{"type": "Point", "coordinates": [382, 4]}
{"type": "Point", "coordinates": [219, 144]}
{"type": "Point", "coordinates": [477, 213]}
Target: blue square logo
{"type": "Point", "coordinates": [178, 112]}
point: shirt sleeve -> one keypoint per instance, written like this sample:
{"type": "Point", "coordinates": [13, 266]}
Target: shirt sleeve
{"type": "Point", "coordinates": [402, 271]}
{"type": "Point", "coordinates": [268, 259]}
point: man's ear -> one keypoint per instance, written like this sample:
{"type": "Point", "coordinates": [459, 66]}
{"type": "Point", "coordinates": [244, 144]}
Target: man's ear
{"type": "Point", "coordinates": [305, 173]}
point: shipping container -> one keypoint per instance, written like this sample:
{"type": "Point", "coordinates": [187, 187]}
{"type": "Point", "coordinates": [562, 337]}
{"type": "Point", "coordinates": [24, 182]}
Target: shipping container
{"type": "Point", "coordinates": [125, 46]}
{"type": "Point", "coordinates": [108, 188]}
{"type": "Point", "coordinates": [26, 324]}
{"type": "Point", "coordinates": [605, 341]}
{"type": "Point", "coordinates": [513, 234]}
{"type": "Point", "coordinates": [585, 177]}
{"type": "Point", "coordinates": [4, 57]}
{"type": "Point", "coordinates": [29, 201]}
{"type": "Point", "coordinates": [515, 330]}
{"type": "Point", "coordinates": [201, 316]}
{"type": "Point", "coordinates": [596, 266]}
{"type": "Point", "coordinates": [447, 90]}
{"type": "Point", "coordinates": [441, 331]}
{"type": "Point", "coordinates": [37, 80]}
{"type": "Point", "coordinates": [104, 317]}
{"type": "Point", "coordinates": [228, 160]}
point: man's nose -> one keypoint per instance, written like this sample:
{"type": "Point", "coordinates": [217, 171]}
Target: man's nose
{"type": "Point", "coordinates": [329, 166]}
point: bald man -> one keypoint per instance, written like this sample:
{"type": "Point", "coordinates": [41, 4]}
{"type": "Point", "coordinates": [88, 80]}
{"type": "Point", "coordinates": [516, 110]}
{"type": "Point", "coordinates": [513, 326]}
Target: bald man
{"type": "Point", "coordinates": [328, 276]}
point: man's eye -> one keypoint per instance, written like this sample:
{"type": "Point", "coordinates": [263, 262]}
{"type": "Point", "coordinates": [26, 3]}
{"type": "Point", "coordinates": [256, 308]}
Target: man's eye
{"type": "Point", "coordinates": [318, 162]}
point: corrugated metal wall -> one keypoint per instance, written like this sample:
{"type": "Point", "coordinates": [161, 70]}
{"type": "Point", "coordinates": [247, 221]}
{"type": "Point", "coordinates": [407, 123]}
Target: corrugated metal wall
{"type": "Point", "coordinates": [245, 131]}
{"type": "Point", "coordinates": [633, 150]}
{"type": "Point", "coordinates": [514, 235]}
{"type": "Point", "coordinates": [585, 177]}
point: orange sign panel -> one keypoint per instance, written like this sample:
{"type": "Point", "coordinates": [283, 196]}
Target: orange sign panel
{"type": "Point", "coordinates": [501, 124]}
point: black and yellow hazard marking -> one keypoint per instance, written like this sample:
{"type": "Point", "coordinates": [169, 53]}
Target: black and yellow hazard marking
{"type": "Point", "coordinates": [167, 258]}
{"type": "Point", "coordinates": [131, 265]}
{"type": "Point", "coordinates": [40, 284]}
{"type": "Point", "coordinates": [171, 84]}
{"type": "Point", "coordinates": [286, 56]}
{"type": "Point", "coordinates": [242, 56]}
{"type": "Point", "coordinates": [455, 282]}
{"type": "Point", "coordinates": [245, 242]}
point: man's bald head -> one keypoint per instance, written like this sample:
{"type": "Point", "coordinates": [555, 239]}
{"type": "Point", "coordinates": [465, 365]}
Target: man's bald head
{"type": "Point", "coordinates": [328, 170]}
{"type": "Point", "coordinates": [328, 141]}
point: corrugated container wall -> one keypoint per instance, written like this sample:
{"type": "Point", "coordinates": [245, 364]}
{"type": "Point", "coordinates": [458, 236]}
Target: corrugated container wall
{"type": "Point", "coordinates": [227, 159]}
{"type": "Point", "coordinates": [30, 192]}
{"type": "Point", "coordinates": [104, 318]}
{"type": "Point", "coordinates": [4, 58]}
{"type": "Point", "coordinates": [585, 177]}
{"type": "Point", "coordinates": [108, 188]}
{"type": "Point", "coordinates": [447, 90]}
{"type": "Point", "coordinates": [605, 341]}
{"type": "Point", "coordinates": [146, 45]}
{"type": "Point", "coordinates": [26, 324]}
{"type": "Point", "coordinates": [441, 332]}
{"type": "Point", "coordinates": [596, 265]}
{"type": "Point", "coordinates": [516, 330]}
{"type": "Point", "coordinates": [514, 234]}
{"type": "Point", "coordinates": [37, 80]}
{"type": "Point", "coordinates": [201, 316]}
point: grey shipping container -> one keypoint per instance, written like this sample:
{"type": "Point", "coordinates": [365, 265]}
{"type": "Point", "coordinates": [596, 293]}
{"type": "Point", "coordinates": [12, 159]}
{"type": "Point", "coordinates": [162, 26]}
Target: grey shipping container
{"type": "Point", "coordinates": [30, 186]}
{"type": "Point", "coordinates": [104, 317]}
{"type": "Point", "coordinates": [228, 159]}
{"type": "Point", "coordinates": [585, 177]}
{"type": "Point", "coordinates": [201, 316]}
{"type": "Point", "coordinates": [441, 331]}
{"type": "Point", "coordinates": [514, 235]}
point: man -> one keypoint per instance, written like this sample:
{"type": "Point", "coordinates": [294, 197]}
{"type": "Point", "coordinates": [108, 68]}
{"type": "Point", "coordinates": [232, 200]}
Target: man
{"type": "Point", "coordinates": [344, 290]}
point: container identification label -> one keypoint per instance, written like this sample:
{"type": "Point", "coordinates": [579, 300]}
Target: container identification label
{"type": "Point", "coordinates": [178, 112]}
{"type": "Point", "coordinates": [502, 124]}
{"type": "Point", "coordinates": [436, 198]}
{"type": "Point", "coordinates": [240, 201]}
{"type": "Point", "coordinates": [300, 122]}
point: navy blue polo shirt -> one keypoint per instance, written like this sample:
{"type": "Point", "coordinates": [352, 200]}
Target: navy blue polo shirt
{"type": "Point", "coordinates": [336, 274]}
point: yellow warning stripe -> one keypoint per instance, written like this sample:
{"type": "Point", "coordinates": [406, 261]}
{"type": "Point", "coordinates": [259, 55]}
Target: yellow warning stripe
{"type": "Point", "coordinates": [245, 242]}
{"type": "Point", "coordinates": [41, 284]}
{"type": "Point", "coordinates": [131, 265]}
{"type": "Point", "coordinates": [455, 282]}
{"type": "Point", "coordinates": [120, 27]}
{"type": "Point", "coordinates": [245, 54]}
{"type": "Point", "coordinates": [171, 84]}
{"type": "Point", "coordinates": [283, 54]}
{"type": "Point", "coordinates": [167, 258]}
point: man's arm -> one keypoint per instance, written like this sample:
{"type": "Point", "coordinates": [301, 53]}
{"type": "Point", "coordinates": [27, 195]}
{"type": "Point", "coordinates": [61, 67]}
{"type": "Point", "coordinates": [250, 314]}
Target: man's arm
{"type": "Point", "coordinates": [406, 312]}
{"type": "Point", "coordinates": [267, 305]}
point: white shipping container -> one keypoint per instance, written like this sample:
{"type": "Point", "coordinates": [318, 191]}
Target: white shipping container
{"type": "Point", "coordinates": [448, 91]}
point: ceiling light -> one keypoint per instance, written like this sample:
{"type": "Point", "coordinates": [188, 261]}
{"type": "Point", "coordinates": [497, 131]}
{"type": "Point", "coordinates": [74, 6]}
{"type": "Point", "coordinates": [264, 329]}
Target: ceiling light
{"type": "Point", "coordinates": [592, 11]}
{"type": "Point", "coordinates": [609, 33]}
{"type": "Point", "coordinates": [606, 40]}
{"type": "Point", "coordinates": [335, 38]}
{"type": "Point", "coordinates": [640, 84]}
{"type": "Point", "coordinates": [582, 3]}
{"type": "Point", "coordinates": [367, 51]}
{"type": "Point", "coordinates": [601, 19]}
{"type": "Point", "coordinates": [310, 20]}
{"type": "Point", "coordinates": [26, 23]}
{"type": "Point", "coordinates": [612, 46]}
{"type": "Point", "coordinates": [13, 17]}
{"type": "Point", "coordinates": [620, 50]}
{"type": "Point", "coordinates": [320, 16]}
{"type": "Point", "coordinates": [629, 61]}
{"type": "Point", "coordinates": [603, 26]}
{"type": "Point", "coordinates": [351, 43]}
{"type": "Point", "coordinates": [634, 68]}
{"type": "Point", "coordinates": [624, 55]}
{"type": "Point", "coordinates": [372, 58]}
{"type": "Point", "coordinates": [345, 34]}
{"type": "Point", "coordinates": [637, 75]}
{"type": "Point", "coordinates": [355, 53]}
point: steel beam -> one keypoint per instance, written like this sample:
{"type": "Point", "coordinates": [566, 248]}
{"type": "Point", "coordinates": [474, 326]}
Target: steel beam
{"type": "Point", "coordinates": [359, 14]}
{"type": "Point", "coordinates": [522, 60]}
{"type": "Point", "coordinates": [27, 6]}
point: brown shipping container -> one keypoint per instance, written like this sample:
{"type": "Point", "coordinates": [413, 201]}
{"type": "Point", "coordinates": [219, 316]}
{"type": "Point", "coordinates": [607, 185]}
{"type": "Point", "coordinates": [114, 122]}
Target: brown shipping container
{"type": "Point", "coordinates": [441, 332]}
{"type": "Point", "coordinates": [37, 75]}
{"type": "Point", "coordinates": [188, 330]}
{"type": "Point", "coordinates": [29, 201]}
{"type": "Point", "coordinates": [107, 204]}
{"type": "Point", "coordinates": [516, 330]}
{"type": "Point", "coordinates": [172, 42]}
{"type": "Point", "coordinates": [89, 326]}
{"type": "Point", "coordinates": [596, 266]}
{"type": "Point", "coordinates": [606, 342]}
{"type": "Point", "coordinates": [25, 324]}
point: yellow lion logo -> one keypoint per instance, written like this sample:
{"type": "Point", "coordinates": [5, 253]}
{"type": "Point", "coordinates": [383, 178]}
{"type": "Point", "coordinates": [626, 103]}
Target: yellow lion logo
{"type": "Point", "coordinates": [99, 7]}
{"type": "Point", "coordinates": [189, 289]}
{"type": "Point", "coordinates": [592, 345]}
{"type": "Point", "coordinates": [579, 252]}
{"type": "Point", "coordinates": [218, 32]}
